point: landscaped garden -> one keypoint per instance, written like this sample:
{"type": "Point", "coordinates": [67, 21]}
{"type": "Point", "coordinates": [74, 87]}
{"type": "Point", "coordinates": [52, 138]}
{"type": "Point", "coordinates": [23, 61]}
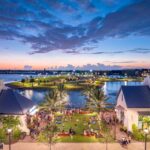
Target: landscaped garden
{"type": "Point", "coordinates": [13, 123]}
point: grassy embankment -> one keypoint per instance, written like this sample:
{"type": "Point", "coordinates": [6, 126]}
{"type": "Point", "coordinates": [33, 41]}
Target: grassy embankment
{"type": "Point", "coordinates": [70, 84]}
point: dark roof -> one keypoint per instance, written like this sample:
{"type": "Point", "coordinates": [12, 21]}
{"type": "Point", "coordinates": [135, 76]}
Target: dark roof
{"type": "Point", "coordinates": [136, 96]}
{"type": "Point", "coordinates": [12, 102]}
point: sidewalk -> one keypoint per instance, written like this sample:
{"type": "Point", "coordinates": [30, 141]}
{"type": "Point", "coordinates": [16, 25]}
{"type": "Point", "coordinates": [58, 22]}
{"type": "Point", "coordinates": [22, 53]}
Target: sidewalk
{"type": "Point", "coordinates": [76, 146]}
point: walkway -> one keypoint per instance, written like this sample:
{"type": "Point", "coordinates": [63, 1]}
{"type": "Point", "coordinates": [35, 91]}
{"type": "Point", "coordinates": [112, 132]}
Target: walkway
{"type": "Point", "coordinates": [76, 146]}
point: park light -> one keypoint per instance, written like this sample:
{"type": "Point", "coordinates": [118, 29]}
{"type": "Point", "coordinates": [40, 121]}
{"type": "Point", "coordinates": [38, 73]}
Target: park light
{"type": "Point", "coordinates": [146, 131]}
{"type": "Point", "coordinates": [115, 125]}
{"type": "Point", "coordinates": [9, 131]}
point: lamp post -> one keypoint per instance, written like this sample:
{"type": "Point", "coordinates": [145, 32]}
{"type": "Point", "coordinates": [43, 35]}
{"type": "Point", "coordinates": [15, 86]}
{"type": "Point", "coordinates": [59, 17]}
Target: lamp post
{"type": "Point", "coordinates": [146, 132]}
{"type": "Point", "coordinates": [115, 124]}
{"type": "Point", "coordinates": [9, 131]}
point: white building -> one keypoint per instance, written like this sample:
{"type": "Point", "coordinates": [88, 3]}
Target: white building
{"type": "Point", "coordinates": [132, 102]}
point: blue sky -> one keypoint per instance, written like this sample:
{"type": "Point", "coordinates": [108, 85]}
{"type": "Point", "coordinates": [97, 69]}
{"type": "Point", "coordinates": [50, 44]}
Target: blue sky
{"type": "Point", "coordinates": [74, 34]}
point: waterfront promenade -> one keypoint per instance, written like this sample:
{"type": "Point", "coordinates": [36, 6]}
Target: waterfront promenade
{"type": "Point", "coordinates": [77, 146]}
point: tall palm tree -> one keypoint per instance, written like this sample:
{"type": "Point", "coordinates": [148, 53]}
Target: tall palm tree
{"type": "Point", "coordinates": [61, 90]}
{"type": "Point", "coordinates": [50, 103]}
{"type": "Point", "coordinates": [96, 100]}
{"type": "Point", "coordinates": [54, 100]}
{"type": "Point", "coordinates": [62, 94]}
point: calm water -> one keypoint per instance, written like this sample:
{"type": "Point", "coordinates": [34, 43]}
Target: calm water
{"type": "Point", "coordinates": [15, 77]}
{"type": "Point", "coordinates": [75, 98]}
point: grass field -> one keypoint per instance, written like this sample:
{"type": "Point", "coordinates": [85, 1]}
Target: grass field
{"type": "Point", "coordinates": [79, 123]}
{"type": "Point", "coordinates": [51, 82]}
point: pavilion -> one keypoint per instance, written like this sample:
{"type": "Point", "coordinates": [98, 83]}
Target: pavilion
{"type": "Point", "coordinates": [13, 103]}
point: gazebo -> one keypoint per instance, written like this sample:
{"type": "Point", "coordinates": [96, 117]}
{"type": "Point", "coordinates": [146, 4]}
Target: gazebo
{"type": "Point", "coordinates": [13, 103]}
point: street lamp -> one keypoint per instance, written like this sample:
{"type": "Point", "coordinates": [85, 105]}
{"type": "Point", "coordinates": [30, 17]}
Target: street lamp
{"type": "Point", "coordinates": [115, 120]}
{"type": "Point", "coordinates": [146, 132]}
{"type": "Point", "coordinates": [9, 131]}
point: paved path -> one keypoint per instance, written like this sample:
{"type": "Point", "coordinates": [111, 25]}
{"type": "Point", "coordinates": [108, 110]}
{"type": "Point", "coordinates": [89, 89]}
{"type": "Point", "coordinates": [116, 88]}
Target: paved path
{"type": "Point", "coordinates": [76, 146]}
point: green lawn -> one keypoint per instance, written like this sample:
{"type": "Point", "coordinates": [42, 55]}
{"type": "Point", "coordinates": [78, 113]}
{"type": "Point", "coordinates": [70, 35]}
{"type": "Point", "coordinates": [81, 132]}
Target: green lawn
{"type": "Point", "coordinates": [79, 123]}
{"type": "Point", "coordinates": [51, 82]}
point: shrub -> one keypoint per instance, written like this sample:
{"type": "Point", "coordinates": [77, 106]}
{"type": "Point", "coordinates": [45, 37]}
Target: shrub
{"type": "Point", "coordinates": [16, 134]}
{"type": "Point", "coordinates": [123, 129]}
{"type": "Point", "coordinates": [3, 135]}
{"type": "Point", "coordinates": [137, 134]}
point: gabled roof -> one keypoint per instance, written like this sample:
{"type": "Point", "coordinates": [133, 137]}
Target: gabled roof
{"type": "Point", "coordinates": [136, 96]}
{"type": "Point", "coordinates": [13, 103]}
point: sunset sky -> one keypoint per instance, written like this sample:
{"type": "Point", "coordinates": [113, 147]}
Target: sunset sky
{"type": "Point", "coordinates": [86, 34]}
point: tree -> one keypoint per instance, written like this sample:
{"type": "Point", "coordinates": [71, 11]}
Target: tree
{"type": "Point", "coordinates": [96, 100]}
{"type": "Point", "coordinates": [62, 94]}
{"type": "Point", "coordinates": [32, 80]}
{"type": "Point", "coordinates": [10, 122]}
{"type": "Point", "coordinates": [50, 103]}
{"type": "Point", "coordinates": [50, 130]}
{"type": "Point", "coordinates": [61, 89]}
{"type": "Point", "coordinates": [23, 81]}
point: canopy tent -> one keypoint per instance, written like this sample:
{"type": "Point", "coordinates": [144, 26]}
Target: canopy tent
{"type": "Point", "coordinates": [12, 103]}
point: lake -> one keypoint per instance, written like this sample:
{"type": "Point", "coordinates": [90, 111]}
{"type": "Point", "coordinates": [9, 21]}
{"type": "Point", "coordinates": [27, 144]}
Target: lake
{"type": "Point", "coordinates": [13, 77]}
{"type": "Point", "coordinates": [75, 98]}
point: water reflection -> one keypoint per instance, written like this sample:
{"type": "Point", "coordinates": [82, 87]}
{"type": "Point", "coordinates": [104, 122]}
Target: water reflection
{"type": "Point", "coordinates": [75, 98]}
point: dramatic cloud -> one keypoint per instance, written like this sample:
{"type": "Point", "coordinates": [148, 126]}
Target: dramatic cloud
{"type": "Point", "coordinates": [87, 51]}
{"type": "Point", "coordinates": [50, 25]}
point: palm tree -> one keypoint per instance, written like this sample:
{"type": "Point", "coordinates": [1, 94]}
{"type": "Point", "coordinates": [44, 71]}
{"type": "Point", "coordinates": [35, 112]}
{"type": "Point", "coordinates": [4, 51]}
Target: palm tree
{"type": "Point", "coordinates": [61, 90]}
{"type": "Point", "coordinates": [62, 94]}
{"type": "Point", "coordinates": [50, 103]}
{"type": "Point", "coordinates": [96, 100]}
{"type": "Point", "coordinates": [54, 100]}
{"type": "Point", "coordinates": [88, 90]}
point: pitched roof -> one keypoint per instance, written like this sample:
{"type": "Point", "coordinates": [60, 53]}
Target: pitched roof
{"type": "Point", "coordinates": [12, 102]}
{"type": "Point", "coordinates": [136, 96]}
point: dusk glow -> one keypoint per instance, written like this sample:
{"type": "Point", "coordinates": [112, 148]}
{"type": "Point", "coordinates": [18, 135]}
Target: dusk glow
{"type": "Point", "coordinates": [80, 34]}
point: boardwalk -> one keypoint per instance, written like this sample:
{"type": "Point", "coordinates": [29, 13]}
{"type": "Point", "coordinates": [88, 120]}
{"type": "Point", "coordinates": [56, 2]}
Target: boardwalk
{"type": "Point", "coordinates": [77, 146]}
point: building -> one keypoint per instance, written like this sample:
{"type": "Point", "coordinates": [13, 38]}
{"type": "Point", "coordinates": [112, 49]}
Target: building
{"type": "Point", "coordinates": [133, 102]}
{"type": "Point", "coordinates": [14, 104]}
